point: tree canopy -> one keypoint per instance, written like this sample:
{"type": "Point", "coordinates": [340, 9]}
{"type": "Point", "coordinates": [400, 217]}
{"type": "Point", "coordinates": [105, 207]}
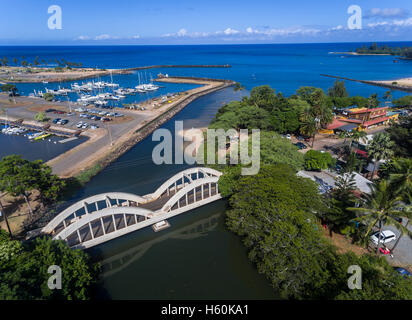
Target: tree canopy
{"type": "Point", "coordinates": [24, 276]}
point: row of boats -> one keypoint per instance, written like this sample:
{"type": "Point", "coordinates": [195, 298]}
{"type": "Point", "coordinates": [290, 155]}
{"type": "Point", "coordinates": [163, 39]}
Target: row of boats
{"type": "Point", "coordinates": [20, 130]}
{"type": "Point", "coordinates": [101, 98]}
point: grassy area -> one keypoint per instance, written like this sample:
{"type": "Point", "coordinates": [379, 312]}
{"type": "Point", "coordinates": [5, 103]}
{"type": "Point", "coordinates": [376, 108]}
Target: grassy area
{"type": "Point", "coordinates": [86, 175]}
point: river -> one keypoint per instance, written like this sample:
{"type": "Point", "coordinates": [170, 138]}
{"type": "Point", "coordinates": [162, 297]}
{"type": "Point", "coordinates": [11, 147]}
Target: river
{"type": "Point", "coordinates": [210, 263]}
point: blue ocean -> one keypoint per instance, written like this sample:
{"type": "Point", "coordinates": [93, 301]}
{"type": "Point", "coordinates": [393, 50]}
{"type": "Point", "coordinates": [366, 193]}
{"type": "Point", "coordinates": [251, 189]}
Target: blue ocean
{"type": "Point", "coordinates": [285, 67]}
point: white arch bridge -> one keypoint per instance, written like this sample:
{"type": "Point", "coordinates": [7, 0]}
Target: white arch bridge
{"type": "Point", "coordinates": [106, 216]}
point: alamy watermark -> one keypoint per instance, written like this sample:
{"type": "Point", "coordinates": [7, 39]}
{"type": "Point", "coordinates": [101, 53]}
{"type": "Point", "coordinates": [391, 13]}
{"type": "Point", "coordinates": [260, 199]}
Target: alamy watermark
{"type": "Point", "coordinates": [55, 281]}
{"type": "Point", "coordinates": [355, 280]}
{"type": "Point", "coordinates": [233, 147]}
{"type": "Point", "coordinates": [55, 20]}
{"type": "Point", "coordinates": [355, 20]}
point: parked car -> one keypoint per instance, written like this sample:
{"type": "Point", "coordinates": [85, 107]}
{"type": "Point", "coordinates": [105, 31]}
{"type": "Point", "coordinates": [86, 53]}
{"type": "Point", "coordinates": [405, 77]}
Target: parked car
{"type": "Point", "coordinates": [50, 110]}
{"type": "Point", "coordinates": [94, 127]}
{"type": "Point", "coordinates": [105, 119]}
{"type": "Point", "coordinates": [71, 114]}
{"type": "Point", "coordinates": [288, 136]}
{"type": "Point", "coordinates": [85, 125]}
{"type": "Point", "coordinates": [386, 236]}
{"type": "Point", "coordinates": [55, 121]}
{"type": "Point", "coordinates": [79, 124]}
{"type": "Point", "coordinates": [403, 272]}
{"type": "Point", "coordinates": [83, 115]}
{"type": "Point", "coordinates": [64, 122]}
{"type": "Point", "coordinates": [301, 145]}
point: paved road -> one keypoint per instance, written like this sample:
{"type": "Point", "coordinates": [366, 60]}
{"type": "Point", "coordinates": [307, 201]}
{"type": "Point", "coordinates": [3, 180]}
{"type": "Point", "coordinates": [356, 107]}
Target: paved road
{"type": "Point", "coordinates": [403, 251]}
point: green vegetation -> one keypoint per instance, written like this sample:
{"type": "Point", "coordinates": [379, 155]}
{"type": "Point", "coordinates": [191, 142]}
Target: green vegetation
{"type": "Point", "coordinates": [9, 88]}
{"type": "Point", "coordinates": [317, 160]}
{"type": "Point", "coordinates": [24, 270]}
{"type": "Point", "coordinates": [41, 117]}
{"type": "Point", "coordinates": [278, 214]}
{"type": "Point", "coordinates": [380, 149]}
{"type": "Point", "coordinates": [382, 207]}
{"type": "Point", "coordinates": [275, 214]}
{"type": "Point", "coordinates": [401, 135]}
{"type": "Point", "coordinates": [405, 101]}
{"type": "Point", "coordinates": [48, 96]}
{"type": "Point", "coordinates": [18, 177]}
{"type": "Point", "coordinates": [37, 61]}
{"type": "Point", "coordinates": [385, 49]}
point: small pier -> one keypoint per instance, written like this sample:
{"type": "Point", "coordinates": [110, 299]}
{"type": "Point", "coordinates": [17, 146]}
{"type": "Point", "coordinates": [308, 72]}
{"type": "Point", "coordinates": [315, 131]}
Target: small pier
{"type": "Point", "coordinates": [68, 140]}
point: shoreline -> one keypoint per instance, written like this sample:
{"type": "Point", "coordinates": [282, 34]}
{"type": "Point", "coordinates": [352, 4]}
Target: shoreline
{"type": "Point", "coordinates": [74, 74]}
{"type": "Point", "coordinates": [362, 54]}
{"type": "Point", "coordinates": [404, 84]}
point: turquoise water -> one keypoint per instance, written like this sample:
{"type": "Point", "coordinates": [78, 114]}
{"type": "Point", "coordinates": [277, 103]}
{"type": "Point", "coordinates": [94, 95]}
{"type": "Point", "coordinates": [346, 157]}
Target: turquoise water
{"type": "Point", "coordinates": [212, 263]}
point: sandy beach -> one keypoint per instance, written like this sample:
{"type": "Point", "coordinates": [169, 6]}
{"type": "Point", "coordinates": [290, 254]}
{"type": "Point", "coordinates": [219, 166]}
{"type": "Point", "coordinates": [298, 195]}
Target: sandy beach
{"type": "Point", "coordinates": [405, 82]}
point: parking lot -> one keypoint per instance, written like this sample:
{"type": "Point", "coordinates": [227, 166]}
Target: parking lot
{"type": "Point", "coordinates": [82, 117]}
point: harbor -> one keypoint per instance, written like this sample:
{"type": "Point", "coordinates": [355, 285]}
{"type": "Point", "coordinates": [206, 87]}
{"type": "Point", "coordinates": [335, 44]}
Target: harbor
{"type": "Point", "coordinates": [110, 130]}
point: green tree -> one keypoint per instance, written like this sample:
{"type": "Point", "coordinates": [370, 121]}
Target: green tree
{"type": "Point", "coordinates": [317, 160]}
{"type": "Point", "coordinates": [48, 96]}
{"type": "Point", "coordinates": [380, 207]}
{"type": "Point", "coordinates": [401, 134]}
{"type": "Point", "coordinates": [18, 177]}
{"type": "Point", "coordinates": [342, 197]}
{"type": "Point", "coordinates": [263, 97]}
{"type": "Point", "coordinates": [273, 210]}
{"type": "Point", "coordinates": [338, 90]}
{"type": "Point", "coordinates": [24, 270]}
{"type": "Point", "coordinates": [380, 149]}
{"type": "Point", "coordinates": [238, 87]}
{"type": "Point", "coordinates": [309, 125]}
{"type": "Point", "coordinates": [41, 117]}
{"type": "Point", "coordinates": [405, 101]}
{"type": "Point", "coordinates": [400, 176]}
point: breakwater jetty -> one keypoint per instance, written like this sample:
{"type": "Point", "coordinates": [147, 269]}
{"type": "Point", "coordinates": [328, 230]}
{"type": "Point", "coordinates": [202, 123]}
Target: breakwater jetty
{"type": "Point", "coordinates": [385, 84]}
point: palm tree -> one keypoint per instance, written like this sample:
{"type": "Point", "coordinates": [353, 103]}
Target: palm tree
{"type": "Point", "coordinates": [401, 176]}
{"type": "Point", "coordinates": [388, 96]}
{"type": "Point", "coordinates": [309, 125]}
{"type": "Point", "coordinates": [356, 135]}
{"type": "Point", "coordinates": [380, 207]}
{"type": "Point", "coordinates": [380, 149]}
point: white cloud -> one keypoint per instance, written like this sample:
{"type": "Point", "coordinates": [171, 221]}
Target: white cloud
{"type": "Point", "coordinates": [378, 24]}
{"type": "Point", "coordinates": [403, 23]}
{"type": "Point", "coordinates": [230, 31]}
{"type": "Point", "coordinates": [339, 27]}
{"type": "Point", "coordinates": [136, 36]}
{"type": "Point", "coordinates": [386, 13]}
{"type": "Point", "coordinates": [103, 37]}
{"type": "Point", "coordinates": [82, 38]}
{"type": "Point", "coordinates": [182, 32]}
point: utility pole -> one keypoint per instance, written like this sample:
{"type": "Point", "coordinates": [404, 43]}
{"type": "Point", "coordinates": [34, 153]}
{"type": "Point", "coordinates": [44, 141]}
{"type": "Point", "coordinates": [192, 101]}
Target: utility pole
{"type": "Point", "coordinates": [110, 134]}
{"type": "Point", "coordinates": [3, 212]}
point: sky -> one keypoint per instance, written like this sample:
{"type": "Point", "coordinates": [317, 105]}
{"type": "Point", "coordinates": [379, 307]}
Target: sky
{"type": "Point", "coordinates": [103, 22]}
